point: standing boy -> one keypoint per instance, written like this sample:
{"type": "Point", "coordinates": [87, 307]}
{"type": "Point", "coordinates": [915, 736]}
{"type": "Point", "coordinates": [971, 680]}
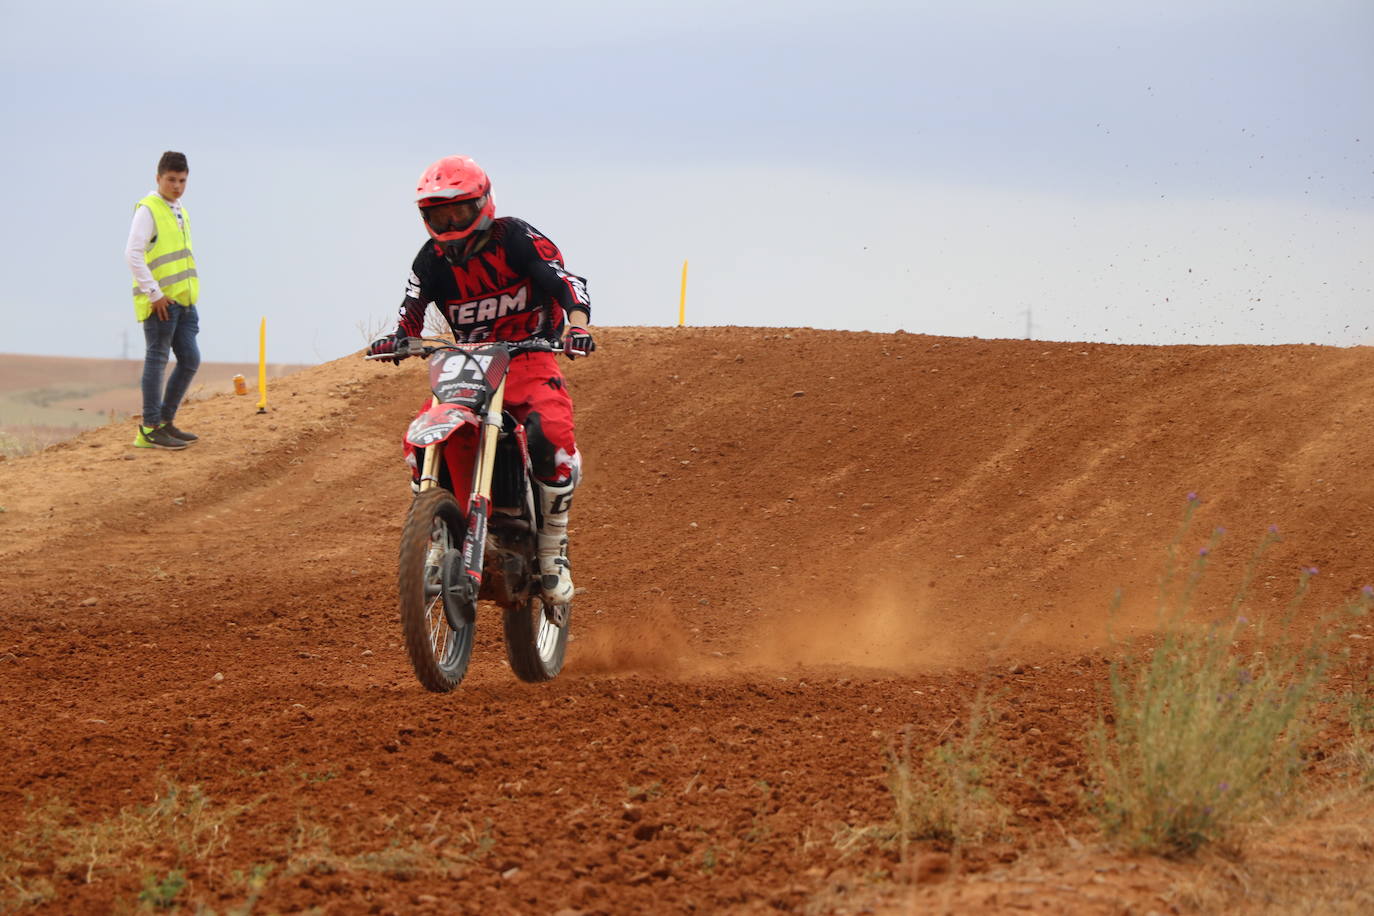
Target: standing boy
{"type": "Point", "coordinates": [166, 288]}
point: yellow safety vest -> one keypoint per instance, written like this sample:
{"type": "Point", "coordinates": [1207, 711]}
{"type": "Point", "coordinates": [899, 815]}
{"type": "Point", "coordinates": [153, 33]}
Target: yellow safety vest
{"type": "Point", "coordinates": [170, 259]}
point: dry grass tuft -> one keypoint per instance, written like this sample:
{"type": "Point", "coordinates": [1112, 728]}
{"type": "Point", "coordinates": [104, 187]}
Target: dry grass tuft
{"type": "Point", "coordinates": [178, 832]}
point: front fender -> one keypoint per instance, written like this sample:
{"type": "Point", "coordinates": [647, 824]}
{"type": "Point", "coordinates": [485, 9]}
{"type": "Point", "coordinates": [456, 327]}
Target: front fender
{"type": "Point", "coordinates": [438, 422]}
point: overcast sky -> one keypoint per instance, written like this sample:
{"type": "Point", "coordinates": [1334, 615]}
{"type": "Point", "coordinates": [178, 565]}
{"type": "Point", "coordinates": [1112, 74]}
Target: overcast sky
{"type": "Point", "coordinates": [1187, 171]}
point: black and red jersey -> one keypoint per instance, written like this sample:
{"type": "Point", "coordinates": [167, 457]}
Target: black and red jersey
{"type": "Point", "coordinates": [513, 288]}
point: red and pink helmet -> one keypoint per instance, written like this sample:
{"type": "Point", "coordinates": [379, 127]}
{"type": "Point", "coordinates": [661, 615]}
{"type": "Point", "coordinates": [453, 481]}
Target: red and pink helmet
{"type": "Point", "coordinates": [454, 196]}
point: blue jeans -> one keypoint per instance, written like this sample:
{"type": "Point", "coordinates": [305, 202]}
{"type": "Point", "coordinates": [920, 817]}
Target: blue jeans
{"type": "Point", "coordinates": [178, 335]}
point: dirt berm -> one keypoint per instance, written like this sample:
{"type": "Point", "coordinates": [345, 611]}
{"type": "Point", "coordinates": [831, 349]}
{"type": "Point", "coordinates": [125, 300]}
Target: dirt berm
{"type": "Point", "coordinates": [789, 545]}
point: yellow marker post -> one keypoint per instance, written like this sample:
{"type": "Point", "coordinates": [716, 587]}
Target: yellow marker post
{"type": "Point", "coordinates": [262, 366]}
{"type": "Point", "coordinates": [682, 299]}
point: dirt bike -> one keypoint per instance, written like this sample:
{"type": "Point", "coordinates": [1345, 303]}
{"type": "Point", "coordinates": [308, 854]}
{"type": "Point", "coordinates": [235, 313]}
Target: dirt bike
{"type": "Point", "coordinates": [470, 533]}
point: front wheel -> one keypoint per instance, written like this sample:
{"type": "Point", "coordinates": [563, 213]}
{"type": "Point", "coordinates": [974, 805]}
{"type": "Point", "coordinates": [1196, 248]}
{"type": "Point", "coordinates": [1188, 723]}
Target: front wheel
{"type": "Point", "coordinates": [535, 645]}
{"type": "Point", "coordinates": [438, 651]}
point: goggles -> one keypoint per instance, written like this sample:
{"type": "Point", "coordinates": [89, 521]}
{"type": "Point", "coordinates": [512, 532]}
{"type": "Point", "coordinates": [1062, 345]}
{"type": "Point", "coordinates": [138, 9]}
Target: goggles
{"type": "Point", "coordinates": [452, 216]}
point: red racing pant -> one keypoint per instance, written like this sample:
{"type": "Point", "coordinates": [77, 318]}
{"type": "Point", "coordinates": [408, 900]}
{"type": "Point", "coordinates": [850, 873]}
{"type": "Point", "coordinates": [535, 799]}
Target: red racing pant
{"type": "Point", "coordinates": [537, 396]}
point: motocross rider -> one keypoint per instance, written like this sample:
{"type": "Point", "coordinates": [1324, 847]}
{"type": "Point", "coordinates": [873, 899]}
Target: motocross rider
{"type": "Point", "coordinates": [498, 278]}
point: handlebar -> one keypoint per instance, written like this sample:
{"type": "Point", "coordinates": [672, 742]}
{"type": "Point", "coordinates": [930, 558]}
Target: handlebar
{"type": "Point", "coordinates": [428, 346]}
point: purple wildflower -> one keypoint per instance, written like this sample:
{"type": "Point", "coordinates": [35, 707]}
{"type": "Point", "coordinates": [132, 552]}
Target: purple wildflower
{"type": "Point", "coordinates": [1273, 529]}
{"type": "Point", "coordinates": [1225, 786]}
{"type": "Point", "coordinates": [1192, 497]}
{"type": "Point", "coordinates": [1368, 591]}
{"type": "Point", "coordinates": [1204, 551]}
{"type": "Point", "coordinates": [1312, 570]}
{"type": "Point", "coordinates": [1242, 620]}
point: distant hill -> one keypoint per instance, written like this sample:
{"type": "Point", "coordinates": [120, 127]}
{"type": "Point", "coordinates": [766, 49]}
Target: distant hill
{"type": "Point", "coordinates": [47, 399]}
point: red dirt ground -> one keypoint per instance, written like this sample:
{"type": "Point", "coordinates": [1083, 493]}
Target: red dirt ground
{"type": "Point", "coordinates": [792, 546]}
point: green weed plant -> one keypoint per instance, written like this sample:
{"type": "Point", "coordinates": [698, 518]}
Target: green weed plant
{"type": "Point", "coordinates": [161, 893]}
{"type": "Point", "coordinates": [1360, 713]}
{"type": "Point", "coordinates": [1206, 728]}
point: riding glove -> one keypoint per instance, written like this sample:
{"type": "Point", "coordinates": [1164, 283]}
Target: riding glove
{"type": "Point", "coordinates": [383, 347]}
{"type": "Point", "coordinates": [578, 342]}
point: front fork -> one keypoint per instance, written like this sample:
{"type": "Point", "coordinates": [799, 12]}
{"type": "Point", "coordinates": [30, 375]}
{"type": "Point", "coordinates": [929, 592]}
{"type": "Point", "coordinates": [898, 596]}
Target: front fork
{"type": "Point", "coordinates": [479, 505]}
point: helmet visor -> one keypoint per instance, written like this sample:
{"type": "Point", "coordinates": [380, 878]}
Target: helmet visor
{"type": "Point", "coordinates": [451, 216]}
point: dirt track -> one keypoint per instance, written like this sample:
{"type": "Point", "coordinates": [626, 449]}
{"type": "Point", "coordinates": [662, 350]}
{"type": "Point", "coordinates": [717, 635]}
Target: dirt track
{"type": "Point", "coordinates": [792, 544]}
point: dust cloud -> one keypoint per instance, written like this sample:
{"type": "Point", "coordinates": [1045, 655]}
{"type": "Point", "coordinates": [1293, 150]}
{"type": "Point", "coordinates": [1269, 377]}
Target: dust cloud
{"type": "Point", "coordinates": [878, 632]}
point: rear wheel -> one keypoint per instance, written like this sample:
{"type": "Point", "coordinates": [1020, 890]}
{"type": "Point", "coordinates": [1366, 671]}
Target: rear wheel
{"type": "Point", "coordinates": [534, 644]}
{"type": "Point", "coordinates": [438, 651]}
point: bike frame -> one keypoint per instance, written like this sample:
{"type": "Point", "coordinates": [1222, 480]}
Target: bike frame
{"type": "Point", "coordinates": [463, 429]}
{"type": "Point", "coordinates": [459, 384]}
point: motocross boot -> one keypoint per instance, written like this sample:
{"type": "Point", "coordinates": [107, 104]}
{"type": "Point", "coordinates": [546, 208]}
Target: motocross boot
{"type": "Point", "coordinates": [555, 572]}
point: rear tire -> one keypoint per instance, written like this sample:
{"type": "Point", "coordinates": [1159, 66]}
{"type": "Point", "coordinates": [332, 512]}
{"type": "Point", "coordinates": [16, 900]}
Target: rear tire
{"type": "Point", "coordinates": [438, 653]}
{"type": "Point", "coordinates": [534, 645]}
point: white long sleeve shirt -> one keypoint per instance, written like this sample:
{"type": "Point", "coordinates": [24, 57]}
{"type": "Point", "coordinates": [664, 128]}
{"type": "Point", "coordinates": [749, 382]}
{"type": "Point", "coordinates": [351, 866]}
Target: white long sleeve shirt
{"type": "Point", "coordinates": [140, 240]}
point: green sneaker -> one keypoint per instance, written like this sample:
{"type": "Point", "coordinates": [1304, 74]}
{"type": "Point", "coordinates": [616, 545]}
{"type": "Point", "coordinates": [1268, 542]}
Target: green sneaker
{"type": "Point", "coordinates": [157, 437]}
